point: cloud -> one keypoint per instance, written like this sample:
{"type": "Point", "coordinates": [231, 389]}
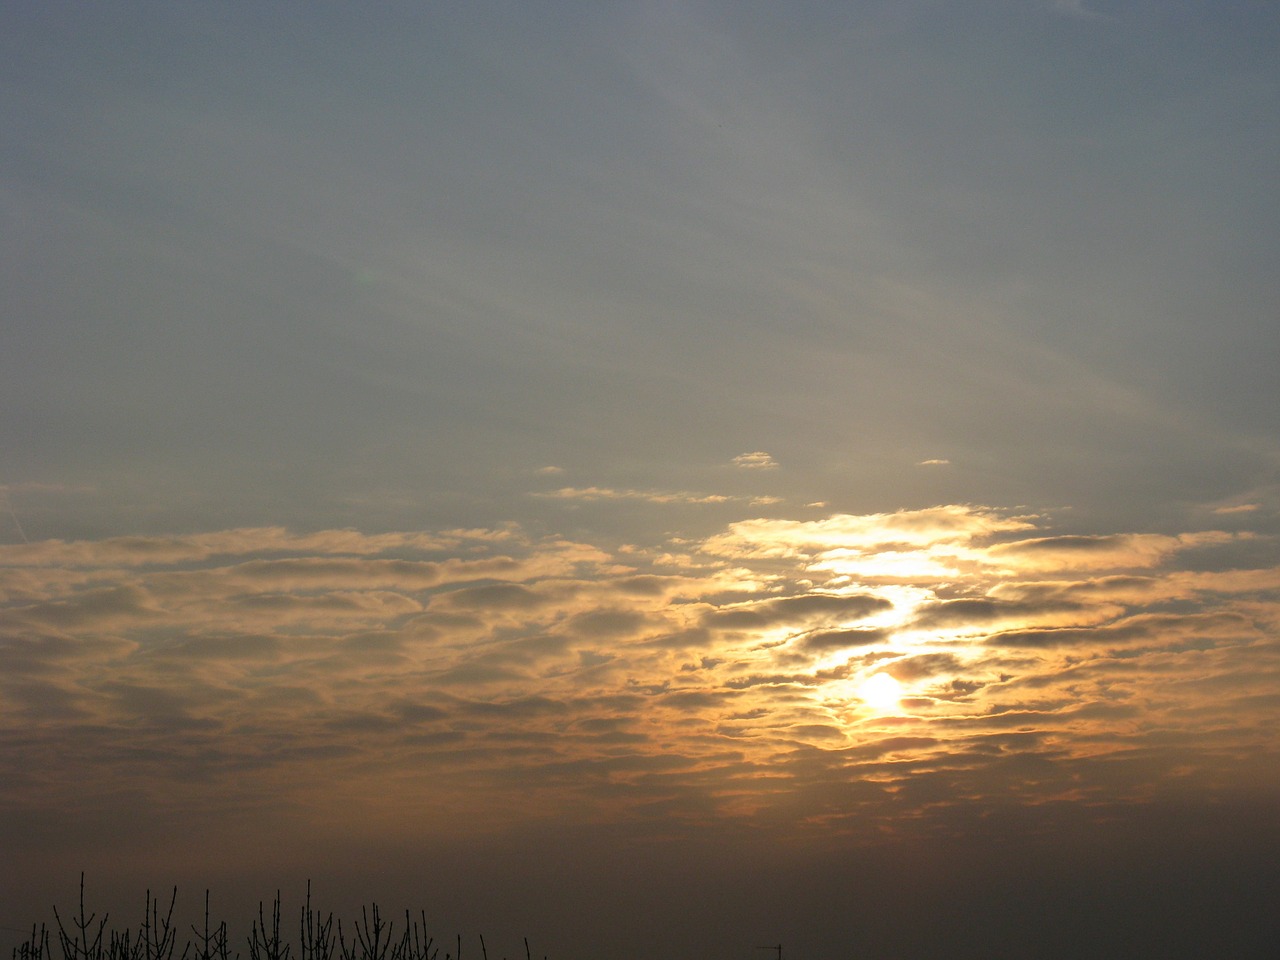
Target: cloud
{"type": "Point", "coordinates": [979, 613]}
{"type": "Point", "coordinates": [756, 460]}
{"type": "Point", "coordinates": [653, 496]}
{"type": "Point", "coordinates": [454, 665]}
{"type": "Point", "coordinates": [925, 665]}
{"type": "Point", "coordinates": [143, 551]}
{"type": "Point", "coordinates": [792, 611]}
{"type": "Point", "coordinates": [934, 463]}
{"type": "Point", "coordinates": [1115, 551]}
{"type": "Point", "coordinates": [842, 639]}
{"type": "Point", "coordinates": [97, 609]}
{"type": "Point", "coordinates": [844, 532]}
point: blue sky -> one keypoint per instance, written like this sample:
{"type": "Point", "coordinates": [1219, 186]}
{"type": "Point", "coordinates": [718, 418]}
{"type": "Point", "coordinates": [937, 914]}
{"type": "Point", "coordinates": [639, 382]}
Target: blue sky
{"type": "Point", "coordinates": [476, 366]}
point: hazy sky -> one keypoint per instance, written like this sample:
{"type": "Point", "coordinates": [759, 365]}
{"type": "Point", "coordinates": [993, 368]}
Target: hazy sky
{"type": "Point", "coordinates": [662, 478]}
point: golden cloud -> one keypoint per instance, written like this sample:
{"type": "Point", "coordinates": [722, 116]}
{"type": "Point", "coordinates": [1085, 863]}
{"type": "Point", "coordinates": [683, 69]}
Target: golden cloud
{"type": "Point", "coordinates": [706, 671]}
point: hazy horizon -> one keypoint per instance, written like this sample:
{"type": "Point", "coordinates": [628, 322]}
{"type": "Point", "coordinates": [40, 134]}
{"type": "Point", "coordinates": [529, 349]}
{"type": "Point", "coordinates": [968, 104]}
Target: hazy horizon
{"type": "Point", "coordinates": [661, 478]}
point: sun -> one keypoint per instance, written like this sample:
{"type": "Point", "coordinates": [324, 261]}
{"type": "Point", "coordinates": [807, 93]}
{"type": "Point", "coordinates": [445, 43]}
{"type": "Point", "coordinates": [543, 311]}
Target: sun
{"type": "Point", "coordinates": [880, 692]}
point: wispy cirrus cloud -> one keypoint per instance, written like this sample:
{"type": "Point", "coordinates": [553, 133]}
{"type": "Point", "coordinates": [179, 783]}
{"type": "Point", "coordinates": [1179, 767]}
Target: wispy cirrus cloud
{"type": "Point", "coordinates": [653, 496]}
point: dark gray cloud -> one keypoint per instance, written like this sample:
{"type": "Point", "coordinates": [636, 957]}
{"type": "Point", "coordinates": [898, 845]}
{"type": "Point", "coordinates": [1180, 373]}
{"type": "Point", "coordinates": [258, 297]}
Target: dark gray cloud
{"type": "Point", "coordinates": [502, 596]}
{"type": "Point", "coordinates": [925, 665]}
{"type": "Point", "coordinates": [842, 639]}
{"type": "Point", "coordinates": [979, 611]}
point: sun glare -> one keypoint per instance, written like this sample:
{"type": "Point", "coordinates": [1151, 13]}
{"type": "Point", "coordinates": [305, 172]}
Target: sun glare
{"type": "Point", "coordinates": [880, 692]}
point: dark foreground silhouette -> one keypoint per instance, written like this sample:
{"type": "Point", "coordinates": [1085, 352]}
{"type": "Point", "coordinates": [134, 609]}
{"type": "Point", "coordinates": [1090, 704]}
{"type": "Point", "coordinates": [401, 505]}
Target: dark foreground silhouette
{"type": "Point", "coordinates": [85, 936]}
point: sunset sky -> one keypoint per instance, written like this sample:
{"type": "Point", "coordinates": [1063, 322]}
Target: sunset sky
{"type": "Point", "coordinates": [660, 478]}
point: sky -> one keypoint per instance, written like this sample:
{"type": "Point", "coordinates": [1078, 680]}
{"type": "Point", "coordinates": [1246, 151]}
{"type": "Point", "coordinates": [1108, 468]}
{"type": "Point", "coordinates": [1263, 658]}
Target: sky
{"type": "Point", "coordinates": [658, 478]}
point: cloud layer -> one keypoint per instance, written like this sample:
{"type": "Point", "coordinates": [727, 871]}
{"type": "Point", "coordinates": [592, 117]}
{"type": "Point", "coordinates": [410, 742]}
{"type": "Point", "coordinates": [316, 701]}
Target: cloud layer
{"type": "Point", "coordinates": [719, 681]}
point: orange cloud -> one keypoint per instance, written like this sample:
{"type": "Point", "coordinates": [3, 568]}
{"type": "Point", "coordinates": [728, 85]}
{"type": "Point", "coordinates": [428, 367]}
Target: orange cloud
{"type": "Point", "coordinates": [707, 670]}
